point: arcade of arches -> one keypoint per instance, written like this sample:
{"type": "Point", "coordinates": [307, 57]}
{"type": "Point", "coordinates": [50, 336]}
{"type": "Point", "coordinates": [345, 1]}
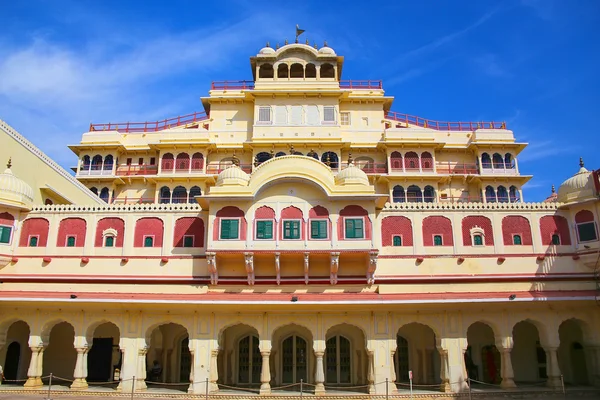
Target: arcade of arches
{"type": "Point", "coordinates": [265, 351]}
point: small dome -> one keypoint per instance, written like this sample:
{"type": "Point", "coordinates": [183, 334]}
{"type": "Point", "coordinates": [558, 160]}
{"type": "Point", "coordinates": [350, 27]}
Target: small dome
{"type": "Point", "coordinates": [266, 50]}
{"type": "Point", "coordinates": [553, 198]}
{"type": "Point", "coordinates": [233, 175]}
{"type": "Point", "coordinates": [578, 187]}
{"type": "Point", "coordinates": [14, 191]}
{"type": "Point", "coordinates": [352, 175]}
{"type": "Point", "coordinates": [325, 50]}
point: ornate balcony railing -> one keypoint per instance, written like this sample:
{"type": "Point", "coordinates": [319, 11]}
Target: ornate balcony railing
{"type": "Point", "coordinates": [456, 168]}
{"type": "Point", "coordinates": [232, 85]}
{"type": "Point", "coordinates": [150, 126]}
{"type": "Point", "coordinates": [133, 170]}
{"type": "Point", "coordinates": [369, 168]}
{"type": "Point", "coordinates": [357, 84]}
{"type": "Point", "coordinates": [217, 169]}
{"type": "Point", "coordinates": [442, 125]}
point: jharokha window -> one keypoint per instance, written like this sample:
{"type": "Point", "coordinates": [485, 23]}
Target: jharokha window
{"type": "Point", "coordinates": [230, 229]}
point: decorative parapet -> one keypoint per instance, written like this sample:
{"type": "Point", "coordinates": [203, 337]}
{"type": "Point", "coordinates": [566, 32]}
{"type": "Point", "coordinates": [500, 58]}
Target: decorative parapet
{"type": "Point", "coordinates": [389, 207]}
{"type": "Point", "coordinates": [116, 208]}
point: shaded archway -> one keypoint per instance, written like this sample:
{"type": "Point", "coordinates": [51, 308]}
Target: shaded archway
{"type": "Point", "coordinates": [398, 195]}
{"type": "Point", "coordinates": [104, 356]}
{"type": "Point", "coordinates": [346, 359]}
{"type": "Point", "coordinates": [572, 353]}
{"type": "Point", "coordinates": [292, 356]}
{"type": "Point", "coordinates": [417, 351]}
{"type": "Point", "coordinates": [60, 354]}
{"type": "Point", "coordinates": [330, 159]}
{"type": "Point", "coordinates": [327, 71]}
{"type": "Point", "coordinates": [482, 358]}
{"type": "Point", "coordinates": [266, 71]}
{"type": "Point", "coordinates": [296, 71]}
{"type": "Point", "coordinates": [311, 71]}
{"type": "Point", "coordinates": [16, 354]}
{"type": "Point", "coordinates": [527, 355]}
{"type": "Point", "coordinates": [169, 358]}
{"type": "Point", "coordinates": [239, 361]}
{"type": "Point", "coordinates": [282, 71]}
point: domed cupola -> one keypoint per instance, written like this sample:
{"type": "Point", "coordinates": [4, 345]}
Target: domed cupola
{"type": "Point", "coordinates": [578, 187]}
{"type": "Point", "coordinates": [326, 50]}
{"type": "Point", "coordinates": [14, 191]}
{"type": "Point", "coordinates": [553, 198]}
{"type": "Point", "coordinates": [352, 175]}
{"type": "Point", "coordinates": [267, 49]}
{"type": "Point", "coordinates": [233, 175]}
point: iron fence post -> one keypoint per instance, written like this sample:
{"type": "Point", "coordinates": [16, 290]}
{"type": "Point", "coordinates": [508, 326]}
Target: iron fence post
{"type": "Point", "coordinates": [133, 387]}
{"type": "Point", "coordinates": [301, 381]}
{"type": "Point", "coordinates": [49, 387]}
{"type": "Point", "coordinates": [206, 388]}
{"type": "Point", "coordinates": [386, 389]}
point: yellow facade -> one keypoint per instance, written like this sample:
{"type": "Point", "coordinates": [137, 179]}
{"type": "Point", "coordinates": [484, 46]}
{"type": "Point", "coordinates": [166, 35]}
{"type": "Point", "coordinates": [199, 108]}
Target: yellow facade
{"type": "Point", "coordinates": [298, 230]}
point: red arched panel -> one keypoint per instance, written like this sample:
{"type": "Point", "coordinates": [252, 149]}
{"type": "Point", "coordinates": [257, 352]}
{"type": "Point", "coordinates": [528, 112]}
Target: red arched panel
{"type": "Point", "coordinates": [354, 211]}
{"type": "Point", "coordinates": [394, 226]}
{"type": "Point", "coordinates": [516, 225]}
{"type": "Point", "coordinates": [292, 212]}
{"type": "Point", "coordinates": [148, 227]}
{"type": "Point", "coordinates": [264, 212]}
{"type": "Point", "coordinates": [437, 225]}
{"type": "Point", "coordinates": [554, 224]}
{"type": "Point", "coordinates": [584, 216]}
{"type": "Point", "coordinates": [110, 223]}
{"type": "Point", "coordinates": [71, 227]}
{"type": "Point", "coordinates": [484, 223]}
{"type": "Point", "coordinates": [189, 226]}
{"type": "Point", "coordinates": [7, 219]}
{"type": "Point", "coordinates": [230, 212]}
{"type": "Point", "coordinates": [35, 227]}
{"type": "Point", "coordinates": [318, 212]}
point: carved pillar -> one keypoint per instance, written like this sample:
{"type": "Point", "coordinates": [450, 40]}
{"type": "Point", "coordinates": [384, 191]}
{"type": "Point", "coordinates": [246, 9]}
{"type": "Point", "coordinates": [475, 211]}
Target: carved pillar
{"type": "Point", "coordinates": [371, 373]}
{"type": "Point", "coordinates": [140, 376]}
{"type": "Point", "coordinates": [265, 373]}
{"type": "Point", "coordinates": [277, 268]}
{"type": "Point", "coordinates": [393, 377]}
{"type": "Point", "coordinates": [79, 375]}
{"type": "Point", "coordinates": [594, 364]}
{"type": "Point", "coordinates": [552, 368]}
{"type": "Point", "coordinates": [306, 266]}
{"type": "Point", "coordinates": [319, 374]}
{"type": "Point", "coordinates": [506, 369]}
{"type": "Point", "coordinates": [34, 373]}
{"type": "Point", "coordinates": [214, 373]}
{"type": "Point", "coordinates": [445, 382]}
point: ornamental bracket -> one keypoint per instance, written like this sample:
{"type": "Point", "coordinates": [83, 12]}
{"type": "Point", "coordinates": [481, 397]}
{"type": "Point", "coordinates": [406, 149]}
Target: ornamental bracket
{"type": "Point", "coordinates": [278, 268]}
{"type": "Point", "coordinates": [372, 267]}
{"type": "Point", "coordinates": [306, 265]}
{"type": "Point", "coordinates": [211, 261]}
{"type": "Point", "coordinates": [249, 260]}
{"type": "Point", "coordinates": [335, 265]}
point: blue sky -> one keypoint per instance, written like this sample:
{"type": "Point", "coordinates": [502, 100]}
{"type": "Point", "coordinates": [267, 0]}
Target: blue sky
{"type": "Point", "coordinates": [532, 63]}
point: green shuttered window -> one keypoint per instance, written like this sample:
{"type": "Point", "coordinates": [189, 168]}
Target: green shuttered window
{"type": "Point", "coordinates": [354, 228]}
{"type": "Point", "coordinates": [230, 229]}
{"type": "Point", "coordinates": [5, 234]}
{"type": "Point", "coordinates": [291, 229]}
{"type": "Point", "coordinates": [318, 229]}
{"type": "Point", "coordinates": [264, 229]}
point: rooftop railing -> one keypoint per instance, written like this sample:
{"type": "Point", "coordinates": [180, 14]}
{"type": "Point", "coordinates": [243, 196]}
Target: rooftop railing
{"type": "Point", "coordinates": [442, 125]}
{"type": "Point", "coordinates": [150, 126]}
{"type": "Point", "coordinates": [354, 84]}
{"type": "Point", "coordinates": [232, 85]}
{"type": "Point", "coordinates": [249, 85]}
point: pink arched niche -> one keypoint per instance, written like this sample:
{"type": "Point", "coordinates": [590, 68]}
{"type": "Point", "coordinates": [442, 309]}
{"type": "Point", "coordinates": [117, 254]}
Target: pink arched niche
{"type": "Point", "coordinates": [437, 225]}
{"type": "Point", "coordinates": [480, 221]}
{"type": "Point", "coordinates": [226, 213]}
{"type": "Point", "coordinates": [35, 227]}
{"type": "Point", "coordinates": [554, 225]}
{"type": "Point", "coordinates": [7, 219]}
{"type": "Point", "coordinates": [516, 225]}
{"type": "Point", "coordinates": [354, 211]}
{"type": "Point", "coordinates": [110, 223]}
{"type": "Point", "coordinates": [319, 213]}
{"type": "Point", "coordinates": [148, 227]}
{"type": "Point", "coordinates": [75, 227]}
{"type": "Point", "coordinates": [396, 226]}
{"type": "Point", "coordinates": [189, 226]}
{"type": "Point", "coordinates": [294, 213]}
{"type": "Point", "coordinates": [264, 213]}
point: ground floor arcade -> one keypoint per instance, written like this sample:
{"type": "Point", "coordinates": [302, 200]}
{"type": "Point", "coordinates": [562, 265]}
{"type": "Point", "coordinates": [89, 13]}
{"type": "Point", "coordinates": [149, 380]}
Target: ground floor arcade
{"type": "Point", "coordinates": [325, 349]}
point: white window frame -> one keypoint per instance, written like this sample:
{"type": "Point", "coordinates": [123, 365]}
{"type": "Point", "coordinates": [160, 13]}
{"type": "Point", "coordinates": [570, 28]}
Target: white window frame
{"type": "Point", "coordinates": [12, 228]}
{"type": "Point", "coordinates": [513, 239]}
{"type": "Point", "coordinates": [299, 229]}
{"type": "Point", "coordinates": [193, 240]}
{"type": "Point", "coordinates": [239, 219]}
{"type": "Point", "coordinates": [433, 239]}
{"type": "Point", "coordinates": [364, 227]}
{"type": "Point", "coordinates": [109, 232]}
{"type": "Point", "coordinates": [477, 230]}
{"type": "Point", "coordinates": [401, 239]}
{"type": "Point", "coordinates": [67, 240]}
{"type": "Point", "coordinates": [37, 244]}
{"type": "Point", "coordinates": [310, 228]}
{"type": "Point", "coordinates": [148, 236]}
{"type": "Point", "coordinates": [342, 116]}
{"type": "Point", "coordinates": [270, 121]}
{"type": "Point", "coordinates": [273, 233]}
{"type": "Point", "coordinates": [334, 122]}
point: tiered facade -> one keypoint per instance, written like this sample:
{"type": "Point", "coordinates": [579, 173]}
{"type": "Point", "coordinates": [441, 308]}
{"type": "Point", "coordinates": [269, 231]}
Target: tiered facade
{"type": "Point", "coordinates": [299, 230]}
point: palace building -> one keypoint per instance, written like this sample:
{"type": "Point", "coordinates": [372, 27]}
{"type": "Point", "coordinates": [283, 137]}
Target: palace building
{"type": "Point", "coordinates": [297, 229]}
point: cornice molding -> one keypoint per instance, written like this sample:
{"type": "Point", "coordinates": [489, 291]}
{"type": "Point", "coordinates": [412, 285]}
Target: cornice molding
{"type": "Point", "coordinates": [502, 207]}
{"type": "Point", "coordinates": [116, 208]}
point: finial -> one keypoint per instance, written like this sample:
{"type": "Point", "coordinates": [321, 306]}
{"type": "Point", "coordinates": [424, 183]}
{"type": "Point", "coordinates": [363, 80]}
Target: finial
{"type": "Point", "coordinates": [268, 44]}
{"type": "Point", "coordinates": [315, 46]}
{"type": "Point", "coordinates": [292, 149]}
{"type": "Point", "coordinates": [235, 160]}
{"type": "Point", "coordinates": [9, 163]}
{"type": "Point", "coordinates": [277, 46]}
{"type": "Point", "coordinates": [553, 189]}
{"type": "Point", "coordinates": [256, 161]}
{"type": "Point", "coordinates": [272, 152]}
{"type": "Point", "coordinates": [325, 44]}
{"type": "Point", "coordinates": [581, 162]}
{"type": "Point", "coordinates": [286, 42]}
{"type": "Point", "coordinates": [327, 160]}
{"type": "Point", "coordinates": [307, 42]}
{"type": "Point", "coordinates": [350, 160]}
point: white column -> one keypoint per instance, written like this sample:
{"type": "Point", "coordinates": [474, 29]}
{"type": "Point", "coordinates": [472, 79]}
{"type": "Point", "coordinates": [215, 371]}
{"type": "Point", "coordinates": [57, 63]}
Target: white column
{"type": "Point", "coordinates": [34, 373]}
{"type": "Point", "coordinates": [214, 373]}
{"type": "Point", "coordinates": [265, 373]}
{"type": "Point", "coordinates": [79, 375]}
{"type": "Point", "coordinates": [140, 375]}
{"type": "Point", "coordinates": [319, 373]}
{"type": "Point", "coordinates": [371, 372]}
{"type": "Point", "coordinates": [552, 367]}
{"type": "Point", "coordinates": [506, 369]}
{"type": "Point", "coordinates": [454, 349]}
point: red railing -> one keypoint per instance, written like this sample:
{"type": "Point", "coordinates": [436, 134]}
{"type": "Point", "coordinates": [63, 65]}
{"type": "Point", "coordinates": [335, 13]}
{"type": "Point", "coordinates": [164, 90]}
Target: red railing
{"type": "Point", "coordinates": [150, 126]}
{"type": "Point", "coordinates": [232, 85]}
{"type": "Point", "coordinates": [456, 169]}
{"type": "Point", "coordinates": [443, 126]}
{"type": "Point", "coordinates": [462, 199]}
{"type": "Point", "coordinates": [217, 169]}
{"type": "Point", "coordinates": [132, 170]}
{"type": "Point", "coordinates": [351, 84]}
{"type": "Point", "coordinates": [370, 168]}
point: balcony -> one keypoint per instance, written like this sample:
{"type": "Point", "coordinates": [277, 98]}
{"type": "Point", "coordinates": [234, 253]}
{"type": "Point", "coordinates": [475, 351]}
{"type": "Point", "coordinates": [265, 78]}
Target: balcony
{"type": "Point", "coordinates": [449, 168]}
{"type": "Point", "coordinates": [344, 84]}
{"type": "Point", "coordinates": [137, 170]}
{"type": "Point", "coordinates": [95, 170]}
{"type": "Point", "coordinates": [499, 169]}
{"type": "Point", "coordinates": [442, 125]}
{"type": "Point", "coordinates": [217, 169]}
{"type": "Point", "coordinates": [354, 84]}
{"type": "Point", "coordinates": [232, 85]}
{"type": "Point", "coordinates": [138, 127]}
{"type": "Point", "coordinates": [370, 168]}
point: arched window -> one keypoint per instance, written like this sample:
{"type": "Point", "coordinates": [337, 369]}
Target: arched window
{"type": "Point", "coordinates": [555, 239]}
{"type": "Point", "coordinates": [109, 241]}
{"type": "Point", "coordinates": [327, 71]}
{"type": "Point", "coordinates": [96, 163]}
{"type": "Point", "coordinates": [411, 161]}
{"type": "Point", "coordinates": [296, 71]}
{"type": "Point", "coordinates": [294, 360]}
{"type": "Point", "coordinates": [478, 240]}
{"type": "Point", "coordinates": [104, 194]}
{"type": "Point", "coordinates": [33, 241]}
{"type": "Point", "coordinates": [197, 162]}
{"type": "Point", "coordinates": [266, 71]}
{"type": "Point", "coordinates": [502, 194]}
{"type": "Point", "coordinates": [108, 162]}
{"type": "Point", "coordinates": [508, 161]}
{"type": "Point", "coordinates": [398, 195]}
{"type": "Point", "coordinates": [194, 191]}
{"type": "Point", "coordinates": [179, 195]}
{"type": "Point", "coordinates": [490, 194]}
{"type": "Point", "coordinates": [513, 194]}
{"type": "Point", "coordinates": [312, 154]}
{"type": "Point", "coordinates": [183, 162]}
{"type": "Point", "coordinates": [311, 71]}
{"type": "Point", "coordinates": [167, 163]}
{"type": "Point", "coordinates": [148, 241]}
{"type": "Point", "coordinates": [249, 361]}
{"type": "Point", "coordinates": [401, 359]}
{"type": "Point", "coordinates": [262, 157]}
{"type": "Point", "coordinates": [165, 195]}
{"type": "Point", "coordinates": [338, 360]}
{"type": "Point", "coordinates": [426, 161]}
{"type": "Point", "coordinates": [280, 154]}
{"type": "Point", "coordinates": [414, 194]}
{"type": "Point", "coordinates": [517, 240]}
{"type": "Point", "coordinates": [85, 163]}
{"type": "Point", "coordinates": [586, 226]}
{"type": "Point", "coordinates": [282, 71]}
{"type": "Point", "coordinates": [486, 161]}
{"type": "Point", "coordinates": [397, 241]}
{"type": "Point", "coordinates": [94, 190]}
{"type": "Point", "coordinates": [429, 194]}
{"type": "Point", "coordinates": [331, 159]}
{"type": "Point", "coordinates": [437, 240]}
{"type": "Point", "coordinates": [498, 161]}
{"type": "Point", "coordinates": [396, 160]}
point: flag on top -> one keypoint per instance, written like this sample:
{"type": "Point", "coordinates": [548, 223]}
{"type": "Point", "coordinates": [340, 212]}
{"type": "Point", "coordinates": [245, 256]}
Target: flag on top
{"type": "Point", "coordinates": [299, 32]}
